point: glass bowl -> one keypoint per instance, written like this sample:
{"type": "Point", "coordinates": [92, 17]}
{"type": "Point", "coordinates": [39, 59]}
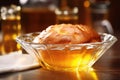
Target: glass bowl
{"type": "Point", "coordinates": [66, 56]}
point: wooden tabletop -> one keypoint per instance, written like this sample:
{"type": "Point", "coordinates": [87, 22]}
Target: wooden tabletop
{"type": "Point", "coordinates": [106, 68]}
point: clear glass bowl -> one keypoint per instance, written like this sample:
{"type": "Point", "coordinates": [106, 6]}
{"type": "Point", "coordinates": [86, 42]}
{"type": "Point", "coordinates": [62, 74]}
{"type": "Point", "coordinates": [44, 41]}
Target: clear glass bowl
{"type": "Point", "coordinates": [66, 56]}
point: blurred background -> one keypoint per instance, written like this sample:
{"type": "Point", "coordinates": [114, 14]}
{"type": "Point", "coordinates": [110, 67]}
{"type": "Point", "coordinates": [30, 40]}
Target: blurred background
{"type": "Point", "coordinates": [36, 15]}
{"type": "Point", "coordinates": [25, 16]}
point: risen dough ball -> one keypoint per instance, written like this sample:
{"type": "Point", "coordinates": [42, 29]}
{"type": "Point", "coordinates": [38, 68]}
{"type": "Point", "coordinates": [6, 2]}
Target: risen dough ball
{"type": "Point", "coordinates": [67, 34]}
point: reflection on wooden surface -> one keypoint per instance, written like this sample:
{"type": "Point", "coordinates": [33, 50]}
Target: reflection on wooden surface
{"type": "Point", "coordinates": [42, 74]}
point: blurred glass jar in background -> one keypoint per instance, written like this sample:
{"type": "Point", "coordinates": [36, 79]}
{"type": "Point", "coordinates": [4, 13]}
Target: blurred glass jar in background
{"type": "Point", "coordinates": [66, 14]}
{"type": "Point", "coordinates": [99, 16]}
{"type": "Point", "coordinates": [37, 14]}
{"type": "Point", "coordinates": [11, 28]}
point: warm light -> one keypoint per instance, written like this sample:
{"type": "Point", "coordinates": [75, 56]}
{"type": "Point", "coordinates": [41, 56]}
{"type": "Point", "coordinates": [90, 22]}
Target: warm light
{"type": "Point", "coordinates": [23, 1]}
{"type": "Point", "coordinates": [77, 61]}
{"type": "Point", "coordinates": [19, 29]}
{"type": "Point", "coordinates": [75, 10]}
{"type": "Point", "coordinates": [18, 46]}
{"type": "Point", "coordinates": [86, 74]}
{"type": "Point", "coordinates": [93, 74]}
{"type": "Point", "coordinates": [14, 36]}
{"type": "Point", "coordinates": [86, 59]}
{"type": "Point", "coordinates": [86, 3]}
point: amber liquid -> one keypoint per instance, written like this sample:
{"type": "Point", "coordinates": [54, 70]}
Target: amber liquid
{"type": "Point", "coordinates": [73, 19]}
{"type": "Point", "coordinates": [11, 28]}
{"type": "Point", "coordinates": [68, 59]}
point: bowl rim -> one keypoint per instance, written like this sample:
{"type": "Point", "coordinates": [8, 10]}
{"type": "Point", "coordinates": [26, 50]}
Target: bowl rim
{"type": "Point", "coordinates": [109, 38]}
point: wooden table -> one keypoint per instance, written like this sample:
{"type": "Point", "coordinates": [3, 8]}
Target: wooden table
{"type": "Point", "coordinates": [106, 68]}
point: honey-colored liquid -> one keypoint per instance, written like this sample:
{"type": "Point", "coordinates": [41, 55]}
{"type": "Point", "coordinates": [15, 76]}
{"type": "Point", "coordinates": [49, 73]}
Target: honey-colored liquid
{"type": "Point", "coordinates": [73, 19]}
{"type": "Point", "coordinates": [11, 28]}
{"type": "Point", "coordinates": [68, 59]}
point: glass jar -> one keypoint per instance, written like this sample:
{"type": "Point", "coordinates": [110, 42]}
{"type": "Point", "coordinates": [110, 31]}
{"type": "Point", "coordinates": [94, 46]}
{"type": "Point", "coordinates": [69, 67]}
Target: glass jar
{"type": "Point", "coordinates": [99, 16]}
{"type": "Point", "coordinates": [66, 14]}
{"type": "Point", "coordinates": [37, 14]}
{"type": "Point", "coordinates": [11, 28]}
